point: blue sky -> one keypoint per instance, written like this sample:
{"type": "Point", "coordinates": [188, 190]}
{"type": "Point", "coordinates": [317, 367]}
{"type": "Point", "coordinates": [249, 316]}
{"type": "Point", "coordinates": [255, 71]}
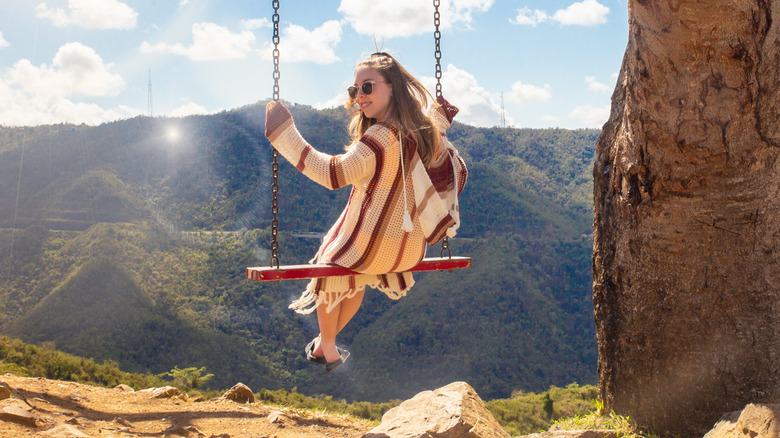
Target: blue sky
{"type": "Point", "coordinates": [554, 63]}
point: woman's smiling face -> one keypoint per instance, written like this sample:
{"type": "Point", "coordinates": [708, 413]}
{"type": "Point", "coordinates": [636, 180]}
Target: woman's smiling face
{"type": "Point", "coordinates": [376, 104]}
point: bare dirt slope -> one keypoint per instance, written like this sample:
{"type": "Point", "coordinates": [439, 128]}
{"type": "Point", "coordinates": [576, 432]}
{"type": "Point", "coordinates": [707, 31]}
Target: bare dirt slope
{"type": "Point", "coordinates": [51, 408]}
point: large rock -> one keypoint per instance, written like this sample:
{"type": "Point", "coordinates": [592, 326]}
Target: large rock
{"type": "Point", "coordinates": [63, 431]}
{"type": "Point", "coordinates": [755, 421]}
{"type": "Point", "coordinates": [162, 392]}
{"type": "Point", "coordinates": [239, 393]}
{"type": "Point", "coordinates": [454, 411]}
{"type": "Point", "coordinates": [19, 414]}
{"type": "Point", "coordinates": [686, 251]}
{"type": "Point", "coordinates": [124, 388]}
{"type": "Point", "coordinates": [5, 391]}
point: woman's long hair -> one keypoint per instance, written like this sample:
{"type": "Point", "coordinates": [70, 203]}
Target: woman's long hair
{"type": "Point", "coordinates": [405, 111]}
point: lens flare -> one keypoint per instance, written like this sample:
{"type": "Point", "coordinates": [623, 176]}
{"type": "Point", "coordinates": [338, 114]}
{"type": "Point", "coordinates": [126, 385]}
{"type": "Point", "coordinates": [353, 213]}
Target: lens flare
{"type": "Point", "coordinates": [172, 134]}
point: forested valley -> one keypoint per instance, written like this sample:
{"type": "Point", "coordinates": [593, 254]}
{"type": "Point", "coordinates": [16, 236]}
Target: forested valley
{"type": "Point", "coordinates": [129, 242]}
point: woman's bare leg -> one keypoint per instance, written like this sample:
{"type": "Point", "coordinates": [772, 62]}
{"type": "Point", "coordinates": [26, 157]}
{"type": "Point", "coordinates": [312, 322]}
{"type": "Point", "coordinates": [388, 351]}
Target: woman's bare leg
{"type": "Point", "coordinates": [328, 323]}
{"type": "Point", "coordinates": [348, 309]}
{"type": "Point", "coordinates": [332, 323]}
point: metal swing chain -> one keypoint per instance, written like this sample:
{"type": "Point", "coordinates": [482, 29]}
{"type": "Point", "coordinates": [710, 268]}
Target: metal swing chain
{"type": "Point", "coordinates": [445, 243]}
{"type": "Point", "coordinates": [276, 49]}
{"type": "Point", "coordinates": [437, 39]}
{"type": "Point", "coordinates": [274, 152]}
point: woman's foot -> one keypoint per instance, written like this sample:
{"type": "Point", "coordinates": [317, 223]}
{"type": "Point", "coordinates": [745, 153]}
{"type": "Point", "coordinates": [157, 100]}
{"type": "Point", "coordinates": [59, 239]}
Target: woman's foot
{"type": "Point", "coordinates": [310, 353]}
{"type": "Point", "coordinates": [331, 352]}
{"type": "Point", "coordinates": [343, 355]}
{"type": "Point", "coordinates": [316, 351]}
{"type": "Point", "coordinates": [337, 355]}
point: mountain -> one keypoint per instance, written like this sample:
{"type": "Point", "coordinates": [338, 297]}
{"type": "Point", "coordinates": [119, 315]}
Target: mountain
{"type": "Point", "coordinates": [128, 241]}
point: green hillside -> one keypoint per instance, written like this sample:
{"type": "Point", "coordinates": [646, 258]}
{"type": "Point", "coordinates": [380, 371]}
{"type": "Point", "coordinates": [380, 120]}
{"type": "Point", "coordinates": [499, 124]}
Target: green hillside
{"type": "Point", "coordinates": [117, 242]}
{"type": "Point", "coordinates": [94, 306]}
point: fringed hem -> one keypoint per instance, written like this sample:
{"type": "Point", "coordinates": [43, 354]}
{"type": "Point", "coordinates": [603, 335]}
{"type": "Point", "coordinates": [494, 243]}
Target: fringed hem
{"type": "Point", "coordinates": [332, 291]}
{"type": "Point", "coordinates": [391, 293]}
{"type": "Point", "coordinates": [301, 305]}
{"type": "Point", "coordinates": [312, 297]}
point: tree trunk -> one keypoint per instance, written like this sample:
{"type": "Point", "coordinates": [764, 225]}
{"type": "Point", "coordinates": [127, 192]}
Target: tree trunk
{"type": "Point", "coordinates": [686, 263]}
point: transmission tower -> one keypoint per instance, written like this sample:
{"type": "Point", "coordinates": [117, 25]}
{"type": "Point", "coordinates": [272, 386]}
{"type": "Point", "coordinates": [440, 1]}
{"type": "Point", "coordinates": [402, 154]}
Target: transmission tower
{"type": "Point", "coordinates": [149, 103]}
{"type": "Point", "coordinates": [503, 113]}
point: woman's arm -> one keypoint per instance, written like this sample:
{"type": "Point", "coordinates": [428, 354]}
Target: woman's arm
{"type": "Point", "coordinates": [331, 171]}
{"type": "Point", "coordinates": [442, 116]}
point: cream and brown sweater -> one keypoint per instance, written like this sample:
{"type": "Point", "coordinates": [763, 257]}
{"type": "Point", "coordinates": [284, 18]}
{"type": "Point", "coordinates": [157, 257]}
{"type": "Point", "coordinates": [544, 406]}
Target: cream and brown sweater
{"type": "Point", "coordinates": [368, 235]}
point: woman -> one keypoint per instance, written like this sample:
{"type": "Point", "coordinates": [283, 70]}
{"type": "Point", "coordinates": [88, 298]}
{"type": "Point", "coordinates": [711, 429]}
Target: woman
{"type": "Point", "coordinates": [406, 178]}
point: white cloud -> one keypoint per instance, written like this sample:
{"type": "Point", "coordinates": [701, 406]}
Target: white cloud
{"type": "Point", "coordinates": [525, 93]}
{"type": "Point", "coordinates": [528, 17]}
{"type": "Point", "coordinates": [57, 16]}
{"type": "Point", "coordinates": [403, 18]}
{"type": "Point", "coordinates": [478, 107]}
{"type": "Point", "coordinates": [594, 85]}
{"type": "Point", "coordinates": [188, 109]}
{"type": "Point", "coordinates": [334, 102]}
{"type": "Point", "coordinates": [183, 3]}
{"type": "Point", "coordinates": [31, 95]}
{"type": "Point", "coordinates": [91, 14]}
{"type": "Point", "coordinates": [210, 42]}
{"type": "Point", "coordinates": [459, 12]}
{"type": "Point", "coordinates": [584, 13]}
{"type": "Point", "coordinates": [76, 69]}
{"type": "Point", "coordinates": [301, 45]}
{"type": "Point", "coordinates": [387, 19]}
{"type": "Point", "coordinates": [256, 23]}
{"type": "Point", "coordinates": [3, 42]}
{"type": "Point", "coordinates": [592, 117]}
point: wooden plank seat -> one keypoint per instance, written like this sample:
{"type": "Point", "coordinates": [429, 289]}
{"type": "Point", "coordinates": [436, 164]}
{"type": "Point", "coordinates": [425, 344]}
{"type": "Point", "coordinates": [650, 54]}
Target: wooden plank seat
{"type": "Point", "coordinates": [299, 272]}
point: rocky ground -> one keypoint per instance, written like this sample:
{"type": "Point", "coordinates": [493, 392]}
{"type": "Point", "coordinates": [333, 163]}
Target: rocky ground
{"type": "Point", "coordinates": [49, 408]}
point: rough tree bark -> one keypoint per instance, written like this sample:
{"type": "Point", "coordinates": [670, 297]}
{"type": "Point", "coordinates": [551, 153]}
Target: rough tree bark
{"type": "Point", "coordinates": [686, 259]}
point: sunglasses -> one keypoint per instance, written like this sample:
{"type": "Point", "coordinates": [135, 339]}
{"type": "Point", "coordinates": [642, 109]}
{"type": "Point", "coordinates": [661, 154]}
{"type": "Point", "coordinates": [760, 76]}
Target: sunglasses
{"type": "Point", "coordinates": [366, 88]}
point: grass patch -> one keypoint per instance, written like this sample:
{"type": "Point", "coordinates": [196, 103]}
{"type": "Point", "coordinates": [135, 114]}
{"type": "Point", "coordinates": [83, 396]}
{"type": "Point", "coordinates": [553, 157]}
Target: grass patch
{"type": "Point", "coordinates": [623, 425]}
{"type": "Point", "coordinates": [528, 412]}
{"type": "Point", "coordinates": [28, 360]}
{"type": "Point", "coordinates": [368, 411]}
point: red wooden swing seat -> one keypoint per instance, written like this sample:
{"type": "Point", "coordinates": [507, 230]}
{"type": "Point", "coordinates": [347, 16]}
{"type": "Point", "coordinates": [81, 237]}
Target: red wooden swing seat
{"type": "Point", "coordinates": [298, 272]}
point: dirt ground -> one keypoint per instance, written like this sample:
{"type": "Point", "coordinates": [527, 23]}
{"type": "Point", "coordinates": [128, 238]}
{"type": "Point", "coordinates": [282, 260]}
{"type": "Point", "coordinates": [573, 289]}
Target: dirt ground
{"type": "Point", "coordinates": [51, 408]}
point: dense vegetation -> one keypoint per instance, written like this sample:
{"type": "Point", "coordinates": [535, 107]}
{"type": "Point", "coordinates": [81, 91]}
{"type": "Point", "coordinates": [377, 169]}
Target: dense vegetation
{"type": "Point", "coordinates": [532, 412]}
{"type": "Point", "coordinates": [120, 244]}
{"type": "Point", "coordinates": [24, 359]}
{"type": "Point", "coordinates": [522, 413]}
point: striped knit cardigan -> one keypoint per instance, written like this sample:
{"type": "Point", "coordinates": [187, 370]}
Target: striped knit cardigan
{"type": "Point", "coordinates": [368, 236]}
